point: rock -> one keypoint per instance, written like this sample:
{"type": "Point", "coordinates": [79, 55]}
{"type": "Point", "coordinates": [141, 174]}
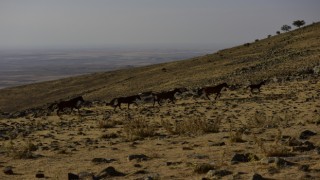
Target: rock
{"type": "Point", "coordinates": [306, 146]}
{"type": "Point", "coordinates": [304, 168]}
{"type": "Point", "coordinates": [172, 163]}
{"type": "Point", "coordinates": [198, 156]}
{"type": "Point", "coordinates": [203, 168]}
{"type": "Point", "coordinates": [40, 174]}
{"type": "Point", "coordinates": [86, 176]}
{"type": "Point", "coordinates": [306, 134]}
{"type": "Point", "coordinates": [294, 142]}
{"type": "Point", "coordinates": [217, 174]}
{"type": "Point", "coordinates": [278, 161]}
{"type": "Point", "coordinates": [109, 172]}
{"type": "Point", "coordinates": [139, 157]}
{"type": "Point", "coordinates": [216, 144]}
{"type": "Point", "coordinates": [257, 177]}
{"type": "Point", "coordinates": [72, 176]}
{"type": "Point", "coordinates": [153, 176]}
{"type": "Point", "coordinates": [8, 170]}
{"type": "Point", "coordinates": [237, 158]}
{"type": "Point", "coordinates": [102, 160]}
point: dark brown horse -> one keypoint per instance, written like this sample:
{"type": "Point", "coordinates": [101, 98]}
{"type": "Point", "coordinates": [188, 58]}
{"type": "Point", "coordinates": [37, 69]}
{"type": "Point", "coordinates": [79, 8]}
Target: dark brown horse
{"type": "Point", "coordinates": [207, 91]}
{"type": "Point", "coordinates": [256, 86]}
{"type": "Point", "coordinates": [116, 102]}
{"type": "Point", "coordinates": [167, 95]}
{"type": "Point", "coordinates": [72, 103]}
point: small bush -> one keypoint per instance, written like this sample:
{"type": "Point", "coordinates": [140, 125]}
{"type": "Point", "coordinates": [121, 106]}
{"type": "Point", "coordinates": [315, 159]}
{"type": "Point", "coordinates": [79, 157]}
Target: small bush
{"type": "Point", "coordinates": [203, 168]}
{"type": "Point", "coordinates": [138, 128]}
{"type": "Point", "coordinates": [106, 124]}
{"type": "Point", "coordinates": [193, 126]}
{"type": "Point", "coordinates": [20, 152]}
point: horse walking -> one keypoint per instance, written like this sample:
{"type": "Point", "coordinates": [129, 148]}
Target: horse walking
{"type": "Point", "coordinates": [167, 95]}
{"type": "Point", "coordinates": [256, 86]}
{"type": "Point", "coordinates": [116, 102]}
{"type": "Point", "coordinates": [207, 91]}
{"type": "Point", "coordinates": [72, 103]}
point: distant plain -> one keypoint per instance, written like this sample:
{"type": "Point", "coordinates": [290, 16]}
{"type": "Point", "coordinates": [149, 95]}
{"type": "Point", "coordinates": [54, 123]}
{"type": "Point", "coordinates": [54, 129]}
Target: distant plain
{"type": "Point", "coordinates": [26, 67]}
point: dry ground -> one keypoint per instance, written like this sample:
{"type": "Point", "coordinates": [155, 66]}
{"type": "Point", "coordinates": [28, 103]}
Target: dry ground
{"type": "Point", "coordinates": [178, 139]}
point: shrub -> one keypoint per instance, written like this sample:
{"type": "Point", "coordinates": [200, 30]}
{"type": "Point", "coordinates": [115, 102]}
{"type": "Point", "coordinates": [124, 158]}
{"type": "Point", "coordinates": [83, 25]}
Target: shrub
{"type": "Point", "coordinates": [192, 126]}
{"type": "Point", "coordinates": [138, 128]}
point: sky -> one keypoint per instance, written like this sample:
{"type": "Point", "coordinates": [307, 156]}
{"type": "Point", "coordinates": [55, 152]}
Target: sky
{"type": "Point", "coordinates": [27, 24]}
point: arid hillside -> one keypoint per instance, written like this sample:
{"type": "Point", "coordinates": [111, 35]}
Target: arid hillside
{"type": "Point", "coordinates": [292, 53]}
{"type": "Point", "coordinates": [264, 132]}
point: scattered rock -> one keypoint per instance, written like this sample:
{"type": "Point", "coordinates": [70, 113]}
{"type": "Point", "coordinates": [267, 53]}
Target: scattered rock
{"type": "Point", "coordinates": [40, 174]}
{"type": "Point", "coordinates": [102, 160]}
{"type": "Point", "coordinates": [237, 158]}
{"type": "Point", "coordinates": [8, 170]}
{"type": "Point", "coordinates": [294, 142]}
{"type": "Point", "coordinates": [139, 157]}
{"type": "Point", "coordinates": [137, 165]}
{"type": "Point", "coordinates": [72, 176]}
{"type": "Point", "coordinates": [278, 161]}
{"type": "Point", "coordinates": [109, 172]}
{"type": "Point", "coordinates": [217, 173]}
{"type": "Point", "coordinates": [306, 146]}
{"type": "Point", "coordinates": [257, 177]}
{"type": "Point", "coordinates": [198, 156]}
{"type": "Point", "coordinates": [216, 144]}
{"type": "Point", "coordinates": [86, 175]}
{"type": "Point", "coordinates": [203, 168]}
{"type": "Point", "coordinates": [173, 163]}
{"type": "Point", "coordinates": [307, 134]}
{"type": "Point", "coordinates": [304, 168]}
{"type": "Point", "coordinates": [153, 176]}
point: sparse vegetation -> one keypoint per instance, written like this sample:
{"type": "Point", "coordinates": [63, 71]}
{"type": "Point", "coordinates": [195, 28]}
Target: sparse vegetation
{"type": "Point", "coordinates": [138, 128]}
{"type": "Point", "coordinates": [20, 152]}
{"type": "Point", "coordinates": [193, 125]}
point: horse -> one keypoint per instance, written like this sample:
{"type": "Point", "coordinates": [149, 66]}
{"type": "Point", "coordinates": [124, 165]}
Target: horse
{"type": "Point", "coordinates": [166, 95]}
{"type": "Point", "coordinates": [212, 90]}
{"type": "Point", "coordinates": [256, 86]}
{"type": "Point", "coordinates": [72, 103]}
{"type": "Point", "coordinates": [129, 100]}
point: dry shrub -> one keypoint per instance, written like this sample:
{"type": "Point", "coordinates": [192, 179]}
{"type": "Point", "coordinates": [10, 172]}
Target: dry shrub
{"type": "Point", "coordinates": [109, 136]}
{"type": "Point", "coordinates": [236, 133]}
{"type": "Point", "coordinates": [203, 168]}
{"type": "Point", "coordinates": [104, 124]}
{"type": "Point", "coordinates": [261, 120]}
{"type": "Point", "coordinates": [275, 149]}
{"type": "Point", "coordinates": [20, 152]}
{"type": "Point", "coordinates": [192, 126]}
{"type": "Point", "coordinates": [138, 128]}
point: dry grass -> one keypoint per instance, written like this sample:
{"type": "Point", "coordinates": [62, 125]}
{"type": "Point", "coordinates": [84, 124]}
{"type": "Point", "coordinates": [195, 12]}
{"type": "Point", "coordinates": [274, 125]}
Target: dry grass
{"type": "Point", "coordinates": [194, 125]}
{"type": "Point", "coordinates": [138, 128]}
{"type": "Point", "coordinates": [275, 149]}
{"type": "Point", "coordinates": [20, 152]}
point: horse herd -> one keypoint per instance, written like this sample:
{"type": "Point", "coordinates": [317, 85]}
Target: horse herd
{"type": "Point", "coordinates": [76, 103]}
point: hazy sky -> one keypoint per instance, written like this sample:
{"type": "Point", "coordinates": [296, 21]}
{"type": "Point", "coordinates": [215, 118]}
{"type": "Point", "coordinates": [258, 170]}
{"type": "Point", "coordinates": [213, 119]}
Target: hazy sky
{"type": "Point", "coordinates": [94, 23]}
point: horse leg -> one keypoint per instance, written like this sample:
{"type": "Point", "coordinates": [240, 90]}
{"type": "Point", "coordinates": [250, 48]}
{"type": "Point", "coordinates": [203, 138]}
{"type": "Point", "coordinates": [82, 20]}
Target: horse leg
{"type": "Point", "coordinates": [218, 95]}
{"type": "Point", "coordinates": [208, 97]}
{"type": "Point", "coordinates": [128, 105]}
